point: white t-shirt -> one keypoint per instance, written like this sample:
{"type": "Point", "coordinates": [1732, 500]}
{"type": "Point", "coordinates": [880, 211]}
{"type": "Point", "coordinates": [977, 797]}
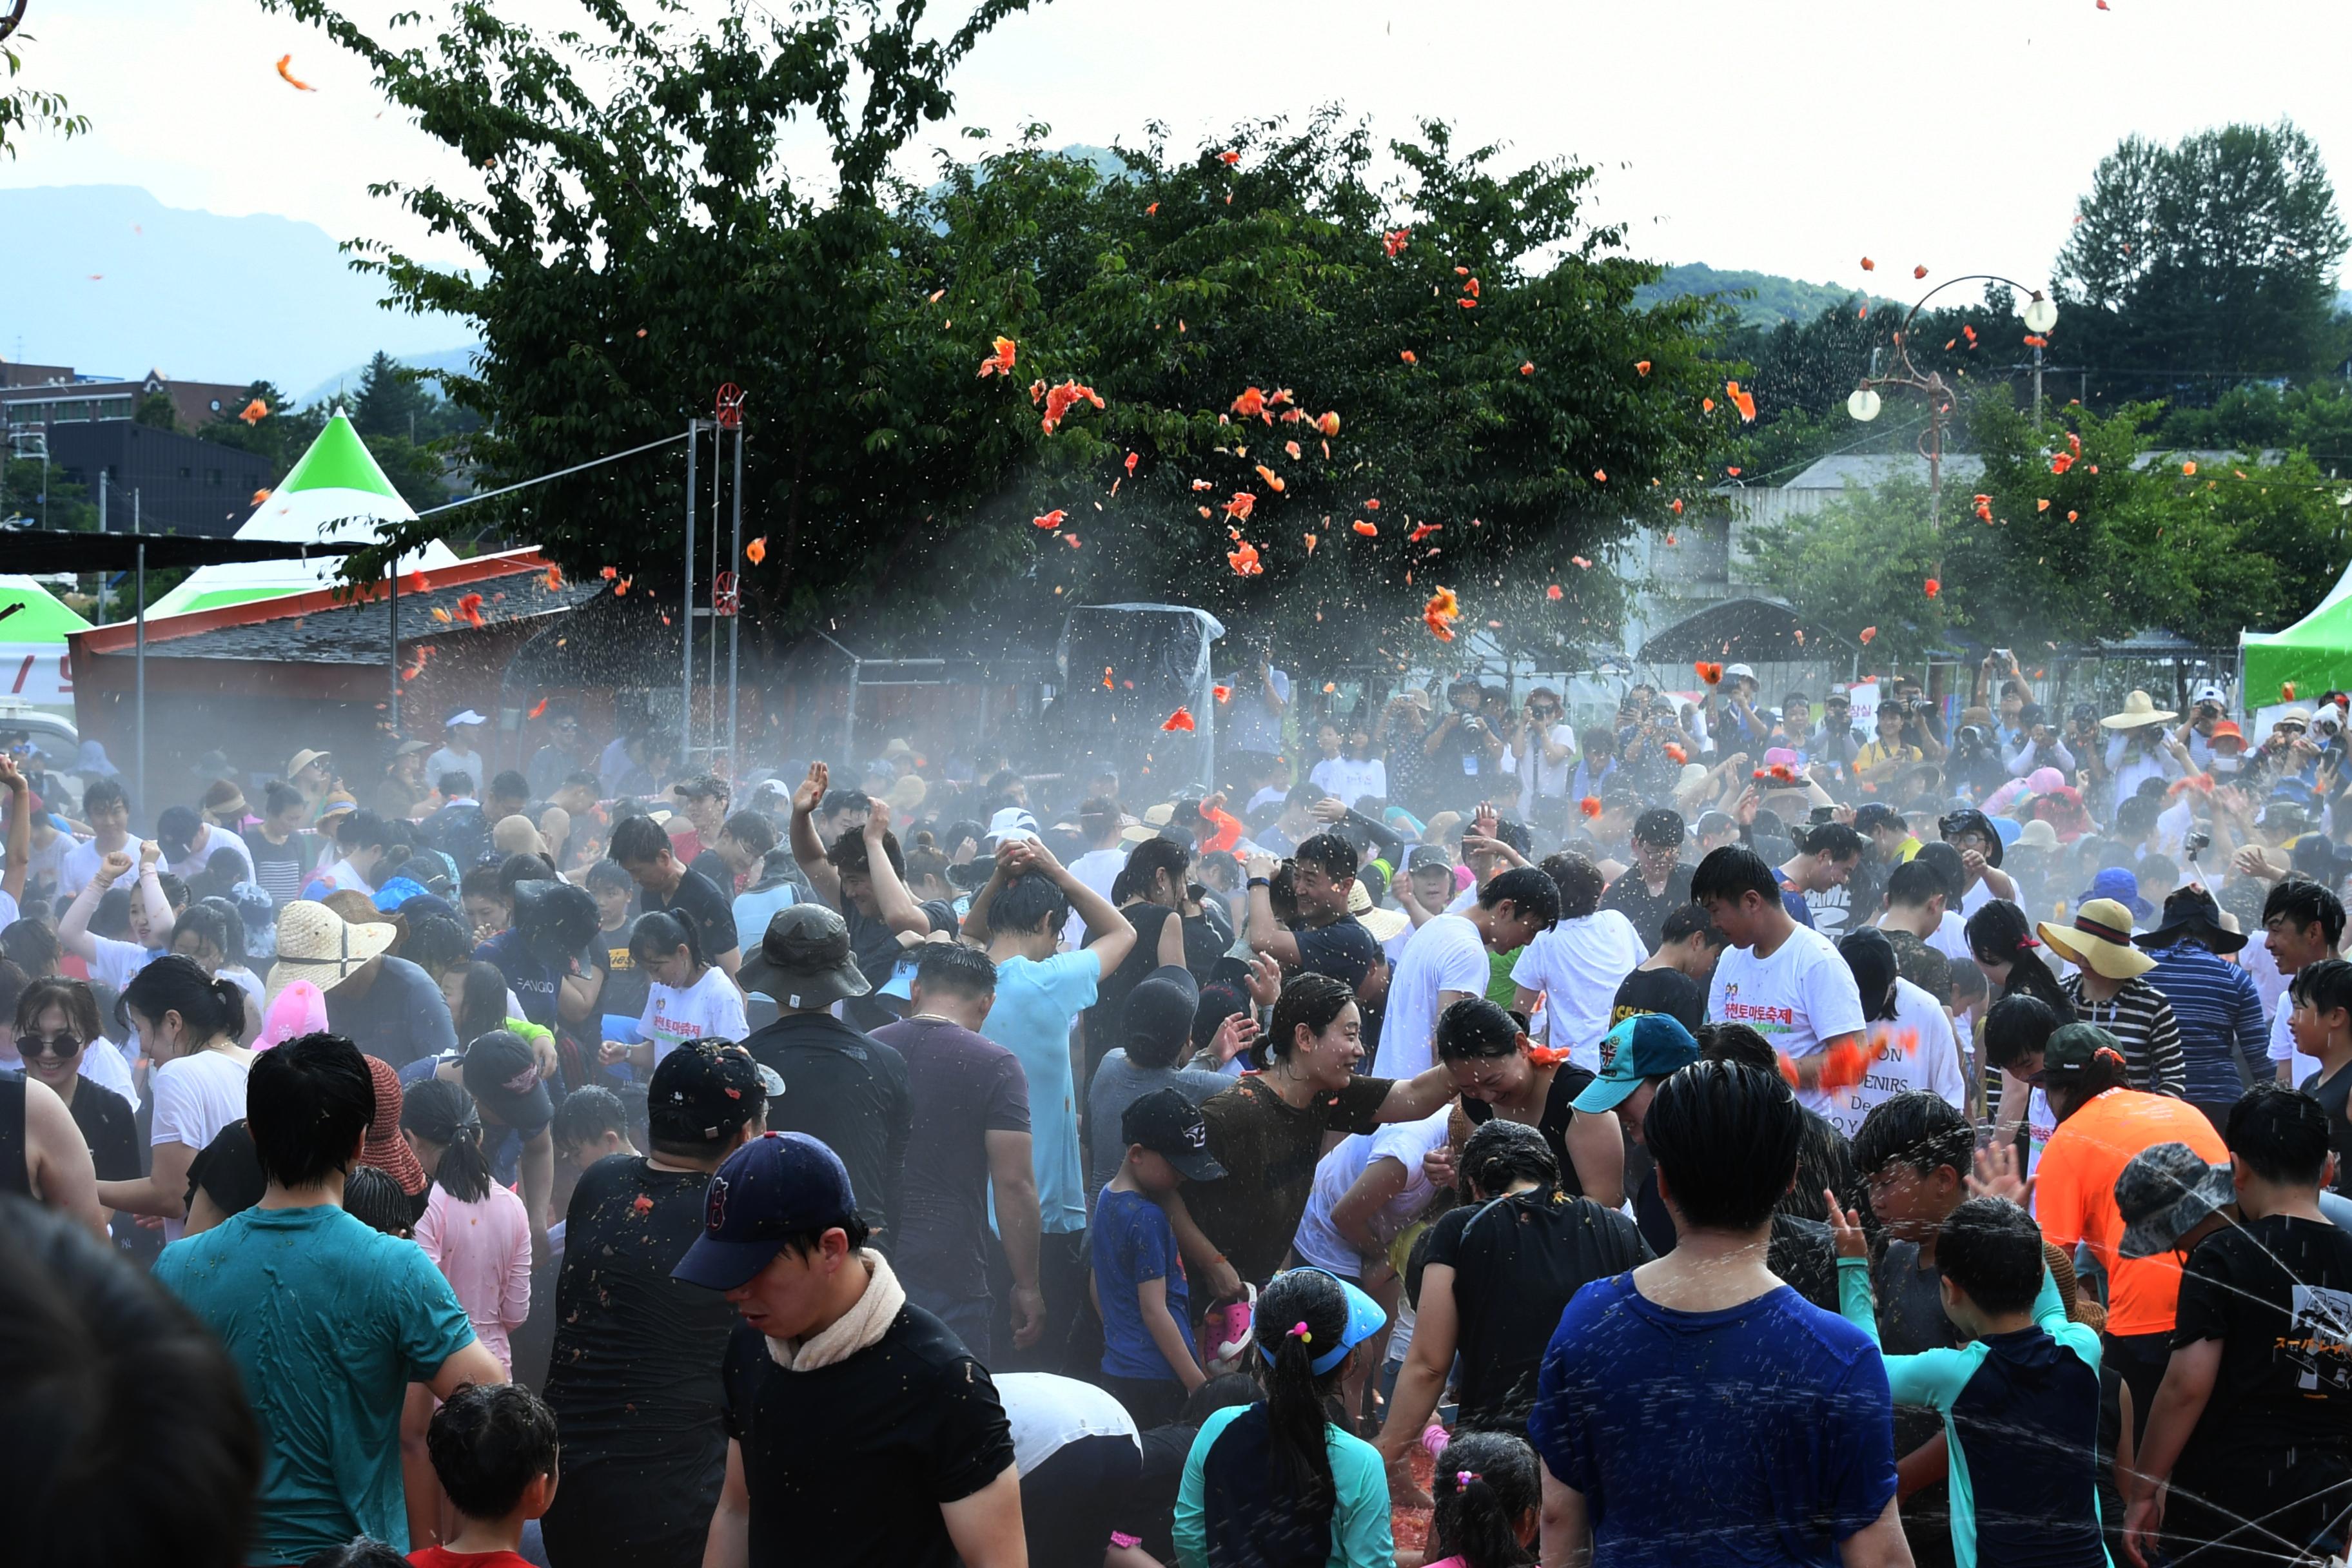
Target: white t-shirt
{"type": "Point", "coordinates": [195, 1097]}
{"type": "Point", "coordinates": [1445, 955]}
{"type": "Point", "coordinates": [2282, 1045]}
{"type": "Point", "coordinates": [1097, 868]}
{"type": "Point", "coordinates": [2270, 985]}
{"type": "Point", "coordinates": [1578, 965]}
{"type": "Point", "coordinates": [1972, 900]}
{"type": "Point", "coordinates": [1537, 777]}
{"type": "Point", "coordinates": [1797, 998]}
{"type": "Point", "coordinates": [445, 760]}
{"type": "Point", "coordinates": [217, 840]}
{"type": "Point", "coordinates": [115, 961]}
{"type": "Point", "coordinates": [1951, 938]}
{"type": "Point", "coordinates": [1317, 1241]}
{"type": "Point", "coordinates": [1047, 1413]}
{"type": "Point", "coordinates": [1913, 1049]}
{"type": "Point", "coordinates": [81, 863]}
{"type": "Point", "coordinates": [1350, 778]}
{"type": "Point", "coordinates": [8, 909]}
{"type": "Point", "coordinates": [709, 1009]}
{"type": "Point", "coordinates": [340, 878]}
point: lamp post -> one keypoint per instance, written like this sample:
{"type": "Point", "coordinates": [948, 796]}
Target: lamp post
{"type": "Point", "coordinates": [2040, 315]}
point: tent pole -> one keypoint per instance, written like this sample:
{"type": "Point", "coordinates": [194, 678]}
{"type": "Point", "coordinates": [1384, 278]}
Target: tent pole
{"type": "Point", "coordinates": [391, 707]}
{"type": "Point", "coordinates": [139, 759]}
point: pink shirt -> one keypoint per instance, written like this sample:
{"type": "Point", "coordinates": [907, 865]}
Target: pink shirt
{"type": "Point", "coordinates": [484, 1250]}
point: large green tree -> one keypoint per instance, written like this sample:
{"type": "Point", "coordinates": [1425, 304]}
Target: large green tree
{"type": "Point", "coordinates": [2217, 253]}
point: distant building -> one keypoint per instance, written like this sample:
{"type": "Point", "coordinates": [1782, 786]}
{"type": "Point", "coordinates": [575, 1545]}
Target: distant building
{"type": "Point", "coordinates": [182, 485]}
{"type": "Point", "coordinates": [49, 393]}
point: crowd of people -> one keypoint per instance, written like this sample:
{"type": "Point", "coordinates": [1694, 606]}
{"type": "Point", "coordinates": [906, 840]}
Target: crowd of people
{"type": "Point", "coordinates": [1714, 1133]}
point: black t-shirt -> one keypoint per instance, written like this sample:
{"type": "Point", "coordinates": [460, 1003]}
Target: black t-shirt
{"type": "Point", "coordinates": [1147, 1508]}
{"type": "Point", "coordinates": [1668, 991]}
{"type": "Point", "coordinates": [227, 1170]}
{"type": "Point", "coordinates": [624, 993]}
{"type": "Point", "coordinates": [2331, 1094]}
{"type": "Point", "coordinates": [2278, 1294]}
{"type": "Point", "coordinates": [106, 1124]}
{"type": "Point", "coordinates": [1630, 896]}
{"type": "Point", "coordinates": [876, 945]}
{"type": "Point", "coordinates": [706, 913]}
{"type": "Point", "coordinates": [848, 1464]}
{"type": "Point", "coordinates": [1567, 1081]}
{"type": "Point", "coordinates": [850, 1092]}
{"type": "Point", "coordinates": [1516, 1262]}
{"type": "Point", "coordinates": [961, 1087]}
{"type": "Point", "coordinates": [1102, 1019]}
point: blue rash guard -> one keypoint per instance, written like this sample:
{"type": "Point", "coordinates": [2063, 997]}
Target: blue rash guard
{"type": "Point", "coordinates": [2021, 1417]}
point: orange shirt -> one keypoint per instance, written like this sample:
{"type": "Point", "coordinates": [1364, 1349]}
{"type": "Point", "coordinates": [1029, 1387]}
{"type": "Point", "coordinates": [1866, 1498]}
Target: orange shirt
{"type": "Point", "coordinates": [2074, 1195]}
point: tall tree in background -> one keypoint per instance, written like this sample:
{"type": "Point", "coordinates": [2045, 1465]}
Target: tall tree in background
{"type": "Point", "coordinates": [2217, 253]}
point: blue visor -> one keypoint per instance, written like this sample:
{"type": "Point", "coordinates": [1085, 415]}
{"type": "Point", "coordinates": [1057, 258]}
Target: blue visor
{"type": "Point", "coordinates": [1365, 1319]}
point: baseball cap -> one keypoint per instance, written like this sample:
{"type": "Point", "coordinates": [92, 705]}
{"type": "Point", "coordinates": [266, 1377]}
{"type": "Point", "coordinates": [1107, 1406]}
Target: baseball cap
{"type": "Point", "coordinates": [2209, 692]}
{"type": "Point", "coordinates": [775, 1188]}
{"type": "Point", "coordinates": [2162, 1194]}
{"type": "Point", "coordinates": [2070, 1048]}
{"type": "Point", "coordinates": [1643, 1046]}
{"type": "Point", "coordinates": [1158, 1010]}
{"type": "Point", "coordinates": [1737, 672]}
{"type": "Point", "coordinates": [1424, 857]}
{"type": "Point", "coordinates": [1011, 822]}
{"type": "Point", "coordinates": [704, 1090]}
{"type": "Point", "coordinates": [1171, 1126]}
{"type": "Point", "coordinates": [502, 1075]}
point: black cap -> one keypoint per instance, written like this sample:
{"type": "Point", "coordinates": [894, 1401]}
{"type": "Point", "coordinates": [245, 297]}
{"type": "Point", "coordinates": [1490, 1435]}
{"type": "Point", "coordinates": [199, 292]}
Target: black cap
{"type": "Point", "coordinates": [768, 1191]}
{"type": "Point", "coordinates": [1171, 1127]}
{"type": "Point", "coordinates": [1422, 857]}
{"type": "Point", "coordinates": [502, 1075]}
{"type": "Point", "coordinates": [702, 1092]}
{"type": "Point", "coordinates": [176, 831]}
{"type": "Point", "coordinates": [1660, 825]}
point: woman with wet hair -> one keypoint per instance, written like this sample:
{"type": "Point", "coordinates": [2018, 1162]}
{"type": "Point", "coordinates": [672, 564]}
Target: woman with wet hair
{"type": "Point", "coordinates": [1504, 1075]}
{"type": "Point", "coordinates": [1275, 1484]}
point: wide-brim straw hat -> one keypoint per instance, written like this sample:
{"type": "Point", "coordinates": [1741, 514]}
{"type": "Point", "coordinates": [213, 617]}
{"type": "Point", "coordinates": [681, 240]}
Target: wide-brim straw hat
{"type": "Point", "coordinates": [2138, 712]}
{"type": "Point", "coordinates": [317, 944]}
{"type": "Point", "coordinates": [2099, 940]}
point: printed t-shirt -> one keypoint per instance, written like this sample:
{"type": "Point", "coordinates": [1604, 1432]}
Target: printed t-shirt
{"type": "Point", "coordinates": [1446, 954]}
{"type": "Point", "coordinates": [2074, 1194]}
{"type": "Point", "coordinates": [1913, 1049]}
{"type": "Point", "coordinates": [1270, 1150]}
{"type": "Point", "coordinates": [961, 1087]}
{"type": "Point", "coordinates": [1766, 1430]}
{"type": "Point", "coordinates": [1797, 999]}
{"type": "Point", "coordinates": [1133, 1245]}
{"type": "Point", "coordinates": [848, 1464]}
{"type": "Point", "coordinates": [1578, 965]}
{"type": "Point", "coordinates": [330, 1321]}
{"type": "Point", "coordinates": [1668, 991]}
{"type": "Point", "coordinates": [1036, 1002]}
{"type": "Point", "coordinates": [709, 1009]}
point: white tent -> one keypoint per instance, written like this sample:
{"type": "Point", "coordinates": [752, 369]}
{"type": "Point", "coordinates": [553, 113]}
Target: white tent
{"type": "Point", "coordinates": [34, 664]}
{"type": "Point", "coordinates": [336, 493]}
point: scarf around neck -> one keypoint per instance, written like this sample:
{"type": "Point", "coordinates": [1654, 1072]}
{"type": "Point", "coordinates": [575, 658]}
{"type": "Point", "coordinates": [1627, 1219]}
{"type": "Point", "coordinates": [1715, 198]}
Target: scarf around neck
{"type": "Point", "coordinates": [863, 1325]}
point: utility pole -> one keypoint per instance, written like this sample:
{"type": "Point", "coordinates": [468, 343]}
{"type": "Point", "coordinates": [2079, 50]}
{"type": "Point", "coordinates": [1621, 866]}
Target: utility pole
{"type": "Point", "coordinates": [686, 618]}
{"type": "Point", "coordinates": [101, 528]}
{"type": "Point", "coordinates": [2037, 383]}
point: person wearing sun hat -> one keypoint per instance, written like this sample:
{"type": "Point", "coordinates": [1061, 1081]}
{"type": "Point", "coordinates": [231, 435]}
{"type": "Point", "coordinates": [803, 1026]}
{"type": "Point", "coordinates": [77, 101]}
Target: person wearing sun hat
{"type": "Point", "coordinates": [2213, 998]}
{"type": "Point", "coordinates": [2109, 988]}
{"type": "Point", "coordinates": [2140, 748]}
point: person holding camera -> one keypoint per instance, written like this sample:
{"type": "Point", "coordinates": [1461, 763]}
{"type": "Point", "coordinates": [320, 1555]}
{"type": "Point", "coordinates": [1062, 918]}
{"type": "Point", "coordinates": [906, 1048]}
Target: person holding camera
{"type": "Point", "coordinates": [2206, 710]}
{"type": "Point", "coordinates": [1835, 744]}
{"type": "Point", "coordinates": [1903, 741]}
{"type": "Point", "coordinates": [2039, 744]}
{"type": "Point", "coordinates": [1542, 755]}
{"type": "Point", "coordinates": [2141, 748]}
{"type": "Point", "coordinates": [2087, 746]}
{"type": "Point", "coordinates": [1464, 749]}
{"type": "Point", "coordinates": [1731, 717]}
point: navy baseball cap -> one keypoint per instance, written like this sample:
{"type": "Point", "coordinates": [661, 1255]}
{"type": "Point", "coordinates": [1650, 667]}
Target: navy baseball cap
{"type": "Point", "coordinates": [773, 1188]}
{"type": "Point", "coordinates": [1643, 1046]}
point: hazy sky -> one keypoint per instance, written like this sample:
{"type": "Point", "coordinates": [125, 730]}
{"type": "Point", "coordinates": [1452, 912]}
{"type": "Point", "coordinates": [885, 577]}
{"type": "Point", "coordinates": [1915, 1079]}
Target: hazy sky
{"type": "Point", "coordinates": [1792, 136]}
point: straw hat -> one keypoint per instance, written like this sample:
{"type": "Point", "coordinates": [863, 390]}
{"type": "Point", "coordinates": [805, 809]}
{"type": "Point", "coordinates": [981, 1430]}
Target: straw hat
{"type": "Point", "coordinates": [516, 836]}
{"type": "Point", "coordinates": [2100, 939]}
{"type": "Point", "coordinates": [2137, 714]}
{"type": "Point", "coordinates": [2036, 834]}
{"type": "Point", "coordinates": [1385, 924]}
{"type": "Point", "coordinates": [906, 795]}
{"type": "Point", "coordinates": [317, 944]}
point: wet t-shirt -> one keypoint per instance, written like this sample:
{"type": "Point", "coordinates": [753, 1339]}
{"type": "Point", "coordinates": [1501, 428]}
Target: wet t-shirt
{"type": "Point", "coordinates": [1270, 1150]}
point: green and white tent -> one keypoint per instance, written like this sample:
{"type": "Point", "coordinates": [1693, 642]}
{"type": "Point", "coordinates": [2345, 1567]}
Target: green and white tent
{"type": "Point", "coordinates": [2314, 654]}
{"type": "Point", "coordinates": [335, 494]}
{"type": "Point", "coordinates": [33, 652]}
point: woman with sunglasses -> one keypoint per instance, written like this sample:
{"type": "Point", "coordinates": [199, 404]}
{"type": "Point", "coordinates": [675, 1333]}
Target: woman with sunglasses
{"type": "Point", "coordinates": [57, 1035]}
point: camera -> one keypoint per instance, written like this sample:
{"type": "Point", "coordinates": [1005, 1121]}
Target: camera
{"type": "Point", "coordinates": [2196, 841]}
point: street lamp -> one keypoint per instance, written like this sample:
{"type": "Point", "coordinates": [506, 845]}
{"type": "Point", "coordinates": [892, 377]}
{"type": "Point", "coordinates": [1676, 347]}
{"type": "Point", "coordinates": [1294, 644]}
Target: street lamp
{"type": "Point", "coordinates": [2041, 314]}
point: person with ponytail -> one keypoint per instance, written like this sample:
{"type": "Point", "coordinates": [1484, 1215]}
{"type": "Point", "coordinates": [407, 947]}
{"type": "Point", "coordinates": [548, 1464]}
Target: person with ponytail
{"type": "Point", "coordinates": [2102, 1124]}
{"type": "Point", "coordinates": [1274, 1484]}
{"type": "Point", "coordinates": [1268, 1133]}
{"type": "Point", "coordinates": [1500, 1270]}
{"type": "Point", "coordinates": [476, 1231]}
{"type": "Point", "coordinates": [1489, 1500]}
{"type": "Point", "coordinates": [187, 1023]}
{"type": "Point", "coordinates": [2002, 941]}
{"type": "Point", "coordinates": [1505, 1076]}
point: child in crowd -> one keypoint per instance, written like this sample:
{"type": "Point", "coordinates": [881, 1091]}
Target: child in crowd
{"type": "Point", "coordinates": [476, 1231]}
{"type": "Point", "coordinates": [2019, 1402]}
{"type": "Point", "coordinates": [1489, 1502]}
{"type": "Point", "coordinates": [478, 997]}
{"type": "Point", "coordinates": [1277, 1482]}
{"type": "Point", "coordinates": [687, 998]}
{"type": "Point", "coordinates": [374, 1198]}
{"type": "Point", "coordinates": [2321, 1025]}
{"type": "Point", "coordinates": [591, 1124]}
{"type": "Point", "coordinates": [494, 1449]}
{"type": "Point", "coordinates": [1138, 1279]}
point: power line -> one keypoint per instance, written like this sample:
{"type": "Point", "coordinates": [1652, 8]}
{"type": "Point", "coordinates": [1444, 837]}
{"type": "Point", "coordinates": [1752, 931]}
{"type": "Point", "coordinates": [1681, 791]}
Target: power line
{"type": "Point", "coordinates": [560, 473]}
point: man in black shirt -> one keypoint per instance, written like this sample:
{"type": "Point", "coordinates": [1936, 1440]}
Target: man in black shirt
{"type": "Point", "coordinates": [861, 1431]}
{"type": "Point", "coordinates": [841, 1086]}
{"type": "Point", "coordinates": [644, 851]}
{"type": "Point", "coordinates": [635, 1380]}
{"type": "Point", "coordinates": [863, 876]}
{"type": "Point", "coordinates": [1657, 883]}
{"type": "Point", "coordinates": [1321, 937]}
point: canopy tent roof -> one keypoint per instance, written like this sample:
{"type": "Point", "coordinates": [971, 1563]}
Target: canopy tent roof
{"type": "Point", "coordinates": [31, 614]}
{"type": "Point", "coordinates": [2314, 654]}
{"type": "Point", "coordinates": [1741, 631]}
{"type": "Point", "coordinates": [336, 494]}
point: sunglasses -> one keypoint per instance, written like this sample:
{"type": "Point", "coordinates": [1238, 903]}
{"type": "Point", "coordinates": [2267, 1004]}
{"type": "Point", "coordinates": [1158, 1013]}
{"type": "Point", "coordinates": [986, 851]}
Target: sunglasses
{"type": "Point", "coordinates": [61, 1047]}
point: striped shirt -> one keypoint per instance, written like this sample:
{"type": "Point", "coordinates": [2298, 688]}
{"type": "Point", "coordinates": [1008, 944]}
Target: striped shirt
{"type": "Point", "coordinates": [2141, 1021]}
{"type": "Point", "coordinates": [2219, 1013]}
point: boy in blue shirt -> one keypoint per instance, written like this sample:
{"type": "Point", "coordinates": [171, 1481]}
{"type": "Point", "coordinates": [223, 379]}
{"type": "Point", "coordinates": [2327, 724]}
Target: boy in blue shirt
{"type": "Point", "coordinates": [1138, 1276]}
{"type": "Point", "coordinates": [2019, 1402]}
